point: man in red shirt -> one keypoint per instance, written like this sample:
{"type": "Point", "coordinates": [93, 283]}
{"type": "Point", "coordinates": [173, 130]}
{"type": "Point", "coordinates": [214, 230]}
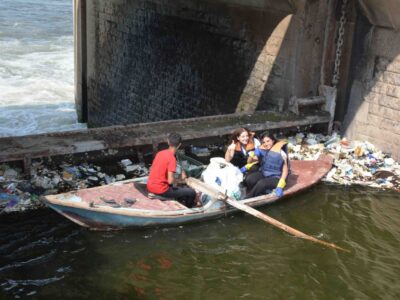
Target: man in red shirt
{"type": "Point", "coordinates": [161, 178]}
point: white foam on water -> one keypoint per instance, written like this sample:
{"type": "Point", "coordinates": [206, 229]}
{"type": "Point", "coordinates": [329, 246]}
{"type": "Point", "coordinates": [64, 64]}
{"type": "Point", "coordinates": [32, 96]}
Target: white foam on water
{"type": "Point", "coordinates": [36, 77]}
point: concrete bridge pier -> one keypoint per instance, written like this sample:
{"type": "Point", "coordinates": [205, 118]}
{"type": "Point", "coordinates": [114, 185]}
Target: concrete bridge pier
{"type": "Point", "coordinates": [373, 95]}
{"type": "Point", "coordinates": [146, 61]}
{"type": "Point", "coordinates": [141, 61]}
{"type": "Point", "coordinates": [80, 59]}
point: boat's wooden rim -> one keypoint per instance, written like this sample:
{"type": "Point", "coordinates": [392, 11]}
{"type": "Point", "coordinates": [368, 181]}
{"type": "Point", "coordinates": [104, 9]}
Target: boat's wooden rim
{"type": "Point", "coordinates": [127, 211]}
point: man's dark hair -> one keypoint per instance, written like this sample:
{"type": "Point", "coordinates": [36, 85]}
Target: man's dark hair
{"type": "Point", "coordinates": [174, 139]}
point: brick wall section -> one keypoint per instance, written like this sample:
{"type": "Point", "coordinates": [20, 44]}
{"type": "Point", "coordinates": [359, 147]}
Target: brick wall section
{"type": "Point", "coordinates": [374, 107]}
{"type": "Point", "coordinates": [160, 60]}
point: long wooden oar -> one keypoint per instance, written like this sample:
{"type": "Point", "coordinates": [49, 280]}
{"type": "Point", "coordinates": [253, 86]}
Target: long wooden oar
{"type": "Point", "coordinates": [214, 193]}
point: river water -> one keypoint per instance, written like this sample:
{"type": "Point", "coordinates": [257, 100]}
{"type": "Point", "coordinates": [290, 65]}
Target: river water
{"type": "Point", "coordinates": [36, 67]}
{"type": "Point", "coordinates": [46, 256]}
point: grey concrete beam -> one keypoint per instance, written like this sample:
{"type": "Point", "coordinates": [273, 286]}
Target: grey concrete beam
{"type": "Point", "coordinates": [383, 13]}
{"type": "Point", "coordinates": [288, 6]}
{"type": "Point", "coordinates": [80, 54]}
{"type": "Point", "coordinates": [115, 137]}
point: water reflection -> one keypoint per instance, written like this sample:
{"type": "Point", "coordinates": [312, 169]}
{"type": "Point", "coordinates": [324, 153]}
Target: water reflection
{"type": "Point", "coordinates": [44, 255]}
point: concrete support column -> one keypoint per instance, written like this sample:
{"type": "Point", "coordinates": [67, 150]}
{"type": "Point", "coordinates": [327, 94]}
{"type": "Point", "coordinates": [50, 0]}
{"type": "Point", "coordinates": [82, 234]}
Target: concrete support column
{"type": "Point", "coordinates": [329, 52]}
{"type": "Point", "coordinates": [80, 58]}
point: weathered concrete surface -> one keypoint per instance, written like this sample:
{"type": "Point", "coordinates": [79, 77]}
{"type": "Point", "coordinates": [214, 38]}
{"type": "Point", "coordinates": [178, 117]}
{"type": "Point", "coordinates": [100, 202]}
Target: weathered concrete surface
{"type": "Point", "coordinates": [158, 60]}
{"type": "Point", "coordinates": [80, 62]}
{"type": "Point", "coordinates": [383, 13]}
{"type": "Point", "coordinates": [115, 137]}
{"type": "Point", "coordinates": [152, 60]}
{"type": "Point", "coordinates": [374, 103]}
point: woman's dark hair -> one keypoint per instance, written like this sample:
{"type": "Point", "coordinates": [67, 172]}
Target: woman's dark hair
{"type": "Point", "coordinates": [268, 135]}
{"type": "Point", "coordinates": [238, 132]}
{"type": "Point", "coordinates": [174, 139]}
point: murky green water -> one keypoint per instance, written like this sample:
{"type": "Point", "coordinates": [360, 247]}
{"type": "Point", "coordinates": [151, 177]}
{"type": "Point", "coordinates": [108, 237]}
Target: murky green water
{"type": "Point", "coordinates": [46, 256]}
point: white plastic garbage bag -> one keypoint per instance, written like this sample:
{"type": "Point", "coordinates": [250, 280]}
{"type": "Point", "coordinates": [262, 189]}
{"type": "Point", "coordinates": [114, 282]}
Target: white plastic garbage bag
{"type": "Point", "coordinates": [223, 176]}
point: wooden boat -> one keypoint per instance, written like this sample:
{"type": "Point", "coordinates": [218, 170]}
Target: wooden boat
{"type": "Point", "coordinates": [127, 204]}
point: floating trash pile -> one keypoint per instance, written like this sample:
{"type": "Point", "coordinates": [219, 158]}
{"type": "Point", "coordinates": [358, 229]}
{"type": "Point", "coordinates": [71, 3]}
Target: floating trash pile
{"type": "Point", "coordinates": [355, 162]}
{"type": "Point", "coordinates": [18, 194]}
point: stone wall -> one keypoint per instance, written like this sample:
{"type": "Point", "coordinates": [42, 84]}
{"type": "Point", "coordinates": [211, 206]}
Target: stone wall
{"type": "Point", "coordinates": [374, 105]}
{"type": "Point", "coordinates": [157, 60]}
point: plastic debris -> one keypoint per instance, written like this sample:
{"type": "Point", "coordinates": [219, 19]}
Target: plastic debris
{"type": "Point", "coordinates": [138, 170]}
{"type": "Point", "coordinates": [126, 162]}
{"type": "Point", "coordinates": [200, 151]}
{"type": "Point", "coordinates": [355, 162]}
{"type": "Point", "coordinates": [18, 194]}
{"type": "Point", "coordinates": [120, 177]}
{"type": "Point", "coordinates": [8, 201]}
{"type": "Point", "coordinates": [10, 174]}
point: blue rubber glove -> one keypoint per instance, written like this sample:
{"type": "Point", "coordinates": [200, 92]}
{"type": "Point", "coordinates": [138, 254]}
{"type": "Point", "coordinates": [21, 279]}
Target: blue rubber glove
{"type": "Point", "coordinates": [279, 192]}
{"type": "Point", "coordinates": [243, 169]}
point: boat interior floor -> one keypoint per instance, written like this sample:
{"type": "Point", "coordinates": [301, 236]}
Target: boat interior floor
{"type": "Point", "coordinates": [126, 195]}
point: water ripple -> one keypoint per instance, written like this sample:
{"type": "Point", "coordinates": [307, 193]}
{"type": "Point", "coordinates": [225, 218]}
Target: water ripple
{"type": "Point", "coordinates": [230, 258]}
{"type": "Point", "coordinates": [30, 262]}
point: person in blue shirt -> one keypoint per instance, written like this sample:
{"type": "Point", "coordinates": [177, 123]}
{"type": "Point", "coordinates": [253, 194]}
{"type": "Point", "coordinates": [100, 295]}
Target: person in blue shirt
{"type": "Point", "coordinates": [274, 167]}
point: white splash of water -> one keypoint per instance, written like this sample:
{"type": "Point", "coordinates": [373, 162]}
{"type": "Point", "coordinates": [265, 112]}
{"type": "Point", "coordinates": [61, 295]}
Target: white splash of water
{"type": "Point", "coordinates": [36, 73]}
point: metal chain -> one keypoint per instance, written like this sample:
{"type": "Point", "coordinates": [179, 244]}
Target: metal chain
{"type": "Point", "coordinates": [338, 55]}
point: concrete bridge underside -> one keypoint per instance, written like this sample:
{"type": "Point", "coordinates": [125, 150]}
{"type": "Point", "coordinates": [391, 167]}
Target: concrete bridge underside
{"type": "Point", "coordinates": [146, 61]}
